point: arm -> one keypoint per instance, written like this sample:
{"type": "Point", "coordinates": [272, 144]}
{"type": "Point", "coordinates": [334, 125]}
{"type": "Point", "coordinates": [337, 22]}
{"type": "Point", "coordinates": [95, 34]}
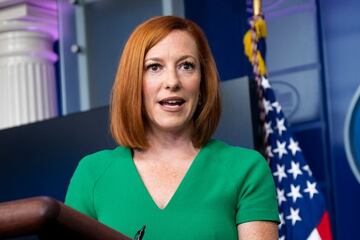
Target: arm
{"type": "Point", "coordinates": [258, 230]}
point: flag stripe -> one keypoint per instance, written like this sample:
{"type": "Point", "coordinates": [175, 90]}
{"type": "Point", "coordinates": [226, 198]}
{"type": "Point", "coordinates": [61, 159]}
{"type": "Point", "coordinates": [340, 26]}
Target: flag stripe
{"type": "Point", "coordinates": [314, 235]}
{"type": "Point", "coordinates": [324, 227]}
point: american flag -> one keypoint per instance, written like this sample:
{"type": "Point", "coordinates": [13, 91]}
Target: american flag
{"type": "Point", "coordinates": [301, 205]}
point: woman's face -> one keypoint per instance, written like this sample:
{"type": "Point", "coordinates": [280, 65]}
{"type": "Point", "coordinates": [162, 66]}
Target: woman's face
{"type": "Point", "coordinates": [171, 82]}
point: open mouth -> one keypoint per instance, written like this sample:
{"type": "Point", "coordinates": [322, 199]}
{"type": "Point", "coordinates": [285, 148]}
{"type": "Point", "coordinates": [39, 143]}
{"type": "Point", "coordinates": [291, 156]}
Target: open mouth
{"type": "Point", "coordinates": [172, 102]}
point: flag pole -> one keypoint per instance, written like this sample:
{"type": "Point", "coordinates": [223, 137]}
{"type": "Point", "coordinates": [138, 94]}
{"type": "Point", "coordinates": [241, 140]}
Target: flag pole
{"type": "Point", "coordinates": [257, 13]}
{"type": "Point", "coordinates": [257, 7]}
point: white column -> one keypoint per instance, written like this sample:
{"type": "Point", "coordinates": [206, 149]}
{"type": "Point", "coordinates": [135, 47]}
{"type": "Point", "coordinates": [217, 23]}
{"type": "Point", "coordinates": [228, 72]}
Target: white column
{"type": "Point", "coordinates": [27, 78]}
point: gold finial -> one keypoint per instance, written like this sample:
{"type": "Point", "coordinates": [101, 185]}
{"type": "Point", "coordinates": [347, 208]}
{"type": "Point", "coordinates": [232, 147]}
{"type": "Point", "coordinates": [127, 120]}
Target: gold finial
{"type": "Point", "coordinates": [257, 7]}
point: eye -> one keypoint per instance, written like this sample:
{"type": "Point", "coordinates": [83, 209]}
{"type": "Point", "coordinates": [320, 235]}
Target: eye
{"type": "Point", "coordinates": [153, 67]}
{"type": "Point", "coordinates": [188, 66]}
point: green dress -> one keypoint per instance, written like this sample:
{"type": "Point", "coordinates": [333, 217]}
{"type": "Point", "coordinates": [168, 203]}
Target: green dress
{"type": "Point", "coordinates": [223, 187]}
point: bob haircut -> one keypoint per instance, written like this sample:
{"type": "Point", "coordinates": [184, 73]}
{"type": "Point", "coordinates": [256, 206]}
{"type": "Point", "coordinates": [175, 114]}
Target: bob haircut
{"type": "Point", "coordinates": [128, 121]}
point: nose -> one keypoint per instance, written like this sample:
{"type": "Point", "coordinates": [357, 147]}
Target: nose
{"type": "Point", "coordinates": [172, 81]}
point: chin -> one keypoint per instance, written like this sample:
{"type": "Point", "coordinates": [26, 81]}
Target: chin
{"type": "Point", "coordinates": [173, 126]}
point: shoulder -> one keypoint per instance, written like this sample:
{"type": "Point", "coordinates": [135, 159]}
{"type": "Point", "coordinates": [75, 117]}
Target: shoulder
{"type": "Point", "coordinates": [80, 194]}
{"type": "Point", "coordinates": [236, 161]}
{"type": "Point", "coordinates": [234, 154]}
{"type": "Point", "coordinates": [96, 163]}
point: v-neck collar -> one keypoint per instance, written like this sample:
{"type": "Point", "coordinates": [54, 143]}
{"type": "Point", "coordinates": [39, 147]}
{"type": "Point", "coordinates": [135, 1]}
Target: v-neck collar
{"type": "Point", "coordinates": [180, 188]}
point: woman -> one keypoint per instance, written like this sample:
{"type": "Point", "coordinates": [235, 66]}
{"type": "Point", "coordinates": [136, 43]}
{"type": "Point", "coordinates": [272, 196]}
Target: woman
{"type": "Point", "coordinates": [166, 173]}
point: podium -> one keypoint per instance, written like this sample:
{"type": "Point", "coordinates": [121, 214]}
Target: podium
{"type": "Point", "coordinates": [48, 218]}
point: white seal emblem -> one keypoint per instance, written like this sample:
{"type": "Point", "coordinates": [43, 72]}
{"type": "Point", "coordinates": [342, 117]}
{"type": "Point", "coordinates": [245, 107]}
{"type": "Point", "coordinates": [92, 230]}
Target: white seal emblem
{"type": "Point", "coordinates": [352, 135]}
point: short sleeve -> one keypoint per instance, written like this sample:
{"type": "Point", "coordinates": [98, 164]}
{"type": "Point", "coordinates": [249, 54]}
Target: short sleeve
{"type": "Point", "coordinates": [80, 191]}
{"type": "Point", "coordinates": [257, 197]}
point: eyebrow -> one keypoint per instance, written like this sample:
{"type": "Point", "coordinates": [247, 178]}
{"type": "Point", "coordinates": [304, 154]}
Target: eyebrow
{"type": "Point", "coordinates": [157, 59]}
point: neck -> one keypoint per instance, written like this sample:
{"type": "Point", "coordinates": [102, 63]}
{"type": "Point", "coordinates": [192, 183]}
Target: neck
{"type": "Point", "coordinates": [169, 145]}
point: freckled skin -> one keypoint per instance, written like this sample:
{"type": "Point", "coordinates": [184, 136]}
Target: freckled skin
{"type": "Point", "coordinates": [172, 69]}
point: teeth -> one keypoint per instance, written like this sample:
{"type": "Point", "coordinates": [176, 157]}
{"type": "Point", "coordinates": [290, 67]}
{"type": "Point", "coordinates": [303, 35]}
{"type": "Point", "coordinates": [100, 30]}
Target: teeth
{"type": "Point", "coordinates": [172, 102]}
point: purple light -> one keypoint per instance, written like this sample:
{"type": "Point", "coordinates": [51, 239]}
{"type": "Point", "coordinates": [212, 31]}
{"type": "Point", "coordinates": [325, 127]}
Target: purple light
{"type": "Point", "coordinates": [272, 8]}
{"type": "Point", "coordinates": [290, 11]}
